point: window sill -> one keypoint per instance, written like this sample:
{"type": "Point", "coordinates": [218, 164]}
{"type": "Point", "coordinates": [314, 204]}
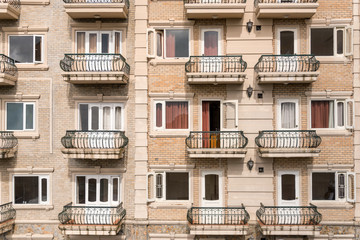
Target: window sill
{"type": "Point", "coordinates": [169, 134]}
{"type": "Point", "coordinates": [26, 135]}
{"type": "Point", "coordinates": [332, 132]}
{"type": "Point", "coordinates": [332, 205]}
{"type": "Point", "coordinates": [179, 61]}
{"type": "Point", "coordinates": [33, 206]}
{"type": "Point", "coordinates": [170, 205]}
{"type": "Point", "coordinates": [333, 60]}
{"type": "Point", "coordinates": [32, 67]}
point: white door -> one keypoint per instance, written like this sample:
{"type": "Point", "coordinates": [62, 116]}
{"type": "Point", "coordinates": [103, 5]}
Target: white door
{"type": "Point", "coordinates": [288, 195]}
{"type": "Point", "coordinates": [288, 120]}
{"type": "Point", "coordinates": [286, 45]}
{"type": "Point", "coordinates": [229, 122]}
{"type": "Point", "coordinates": [212, 196]}
{"type": "Point", "coordinates": [211, 47]}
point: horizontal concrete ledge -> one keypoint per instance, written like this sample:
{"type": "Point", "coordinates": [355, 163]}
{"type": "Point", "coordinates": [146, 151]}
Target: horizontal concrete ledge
{"type": "Point", "coordinates": [288, 152]}
{"type": "Point", "coordinates": [156, 222]}
{"type": "Point", "coordinates": [31, 236]}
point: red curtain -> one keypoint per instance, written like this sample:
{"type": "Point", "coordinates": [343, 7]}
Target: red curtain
{"type": "Point", "coordinates": [177, 115]}
{"type": "Point", "coordinates": [158, 115]}
{"type": "Point", "coordinates": [206, 124]}
{"type": "Point", "coordinates": [170, 44]}
{"type": "Point", "coordinates": [320, 114]}
{"type": "Point", "coordinates": [211, 43]}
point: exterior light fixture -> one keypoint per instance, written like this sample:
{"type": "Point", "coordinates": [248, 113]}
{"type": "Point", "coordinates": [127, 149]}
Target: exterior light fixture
{"type": "Point", "coordinates": [249, 25]}
{"type": "Point", "coordinates": [249, 91]}
{"type": "Point", "coordinates": [250, 164]}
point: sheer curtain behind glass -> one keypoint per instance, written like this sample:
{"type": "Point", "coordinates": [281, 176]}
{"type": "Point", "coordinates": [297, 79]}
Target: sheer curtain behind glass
{"type": "Point", "coordinates": [288, 115]}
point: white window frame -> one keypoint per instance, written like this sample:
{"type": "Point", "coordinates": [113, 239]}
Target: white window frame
{"type": "Point", "coordinates": [202, 37]}
{"type": "Point", "coordinates": [40, 176]}
{"type": "Point", "coordinates": [346, 102]}
{"type": "Point", "coordinates": [111, 40]}
{"type": "Point", "coordinates": [24, 116]}
{"type": "Point", "coordinates": [101, 106]}
{"type": "Point", "coordinates": [34, 44]}
{"type": "Point", "coordinates": [163, 198]}
{"type": "Point", "coordinates": [110, 195]}
{"type": "Point", "coordinates": [163, 40]}
{"type": "Point", "coordinates": [346, 190]}
{"type": "Point", "coordinates": [278, 112]}
{"type": "Point", "coordinates": [285, 29]}
{"type": "Point", "coordinates": [347, 35]}
{"type": "Point", "coordinates": [163, 127]}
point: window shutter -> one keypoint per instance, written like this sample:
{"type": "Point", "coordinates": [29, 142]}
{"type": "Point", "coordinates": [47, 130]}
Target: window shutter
{"type": "Point", "coordinates": [159, 185]}
{"type": "Point", "coordinates": [348, 41]}
{"type": "Point", "coordinates": [350, 115]}
{"type": "Point", "coordinates": [351, 187]}
{"type": "Point", "coordinates": [38, 49]}
{"type": "Point", "coordinates": [151, 43]}
{"type": "Point", "coordinates": [150, 190]}
{"type": "Point", "coordinates": [341, 185]}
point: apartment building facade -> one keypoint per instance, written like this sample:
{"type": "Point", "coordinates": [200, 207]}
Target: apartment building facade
{"type": "Point", "coordinates": [180, 119]}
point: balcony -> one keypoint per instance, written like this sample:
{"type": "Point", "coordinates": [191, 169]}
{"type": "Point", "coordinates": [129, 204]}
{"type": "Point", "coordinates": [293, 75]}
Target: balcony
{"type": "Point", "coordinates": [214, 9]}
{"type": "Point", "coordinates": [8, 145]}
{"type": "Point", "coordinates": [95, 69]}
{"type": "Point", "coordinates": [302, 220]}
{"type": "Point", "coordinates": [94, 144]}
{"type": "Point", "coordinates": [215, 70]}
{"type": "Point", "coordinates": [7, 218]}
{"type": "Point", "coordinates": [285, 8]}
{"type": "Point", "coordinates": [216, 144]}
{"type": "Point", "coordinates": [218, 220]}
{"type": "Point", "coordinates": [288, 144]}
{"type": "Point", "coordinates": [9, 9]}
{"type": "Point", "coordinates": [8, 71]}
{"type": "Point", "coordinates": [97, 8]}
{"type": "Point", "coordinates": [91, 220]}
{"type": "Point", "coordinates": [287, 69]}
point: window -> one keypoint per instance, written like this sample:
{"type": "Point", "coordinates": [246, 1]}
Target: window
{"type": "Point", "coordinates": [98, 190]}
{"type": "Point", "coordinates": [31, 189]}
{"type": "Point", "coordinates": [332, 186]}
{"type": "Point", "coordinates": [332, 114]}
{"type": "Point", "coordinates": [98, 42]}
{"type": "Point", "coordinates": [171, 115]}
{"type": "Point", "coordinates": [101, 116]}
{"type": "Point", "coordinates": [334, 41]}
{"type": "Point", "coordinates": [26, 49]}
{"type": "Point", "coordinates": [168, 186]}
{"type": "Point", "coordinates": [169, 43]}
{"type": "Point", "coordinates": [20, 116]}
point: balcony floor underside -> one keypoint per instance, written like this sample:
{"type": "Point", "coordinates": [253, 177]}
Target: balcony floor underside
{"type": "Point", "coordinates": [216, 153]}
{"type": "Point", "coordinates": [288, 152]}
{"type": "Point", "coordinates": [90, 230]}
{"type": "Point", "coordinates": [215, 78]}
{"type": "Point", "coordinates": [217, 229]}
{"type": "Point", "coordinates": [204, 11]}
{"type": "Point", "coordinates": [92, 153]}
{"type": "Point", "coordinates": [7, 226]}
{"type": "Point", "coordinates": [290, 230]}
{"type": "Point", "coordinates": [95, 77]}
{"type": "Point", "coordinates": [287, 77]}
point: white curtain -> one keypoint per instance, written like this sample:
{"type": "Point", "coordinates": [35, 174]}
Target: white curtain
{"type": "Point", "coordinates": [118, 118]}
{"type": "Point", "coordinates": [288, 115]}
{"type": "Point", "coordinates": [331, 114]}
{"type": "Point", "coordinates": [106, 118]}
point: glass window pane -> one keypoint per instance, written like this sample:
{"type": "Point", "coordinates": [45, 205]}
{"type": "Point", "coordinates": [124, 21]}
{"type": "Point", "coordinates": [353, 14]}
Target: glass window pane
{"type": "Point", "coordinates": [288, 115]}
{"type": "Point", "coordinates": [322, 41]}
{"type": "Point", "coordinates": [14, 116]}
{"type": "Point", "coordinates": [26, 190]}
{"type": "Point", "coordinates": [159, 47]}
{"type": "Point", "coordinates": [80, 187]}
{"type": "Point", "coordinates": [29, 116]}
{"type": "Point", "coordinates": [44, 190]}
{"type": "Point", "coordinates": [117, 42]}
{"type": "Point", "coordinates": [340, 114]}
{"type": "Point", "coordinates": [115, 186]}
{"type": "Point", "coordinates": [159, 185]}
{"type": "Point", "coordinates": [288, 187]}
{"type": "Point", "coordinates": [177, 43]}
{"type": "Point", "coordinates": [212, 187]}
{"type": "Point", "coordinates": [105, 43]}
{"type": "Point", "coordinates": [341, 186]}
{"type": "Point", "coordinates": [117, 118]}
{"type": "Point", "coordinates": [106, 118]}
{"type": "Point", "coordinates": [322, 114]}
{"type": "Point", "coordinates": [92, 43]}
{"type": "Point", "coordinates": [177, 115]}
{"type": "Point", "coordinates": [340, 41]}
{"type": "Point", "coordinates": [94, 118]}
{"type": "Point", "coordinates": [84, 117]}
{"type": "Point", "coordinates": [211, 41]}
{"type": "Point", "coordinates": [159, 115]}
{"type": "Point", "coordinates": [287, 42]}
{"type": "Point", "coordinates": [92, 190]}
{"type": "Point", "coordinates": [38, 45]}
{"type": "Point", "coordinates": [177, 186]}
{"type": "Point", "coordinates": [104, 190]}
{"type": "Point", "coordinates": [323, 186]}
{"type": "Point", "coordinates": [80, 38]}
{"type": "Point", "coordinates": [21, 48]}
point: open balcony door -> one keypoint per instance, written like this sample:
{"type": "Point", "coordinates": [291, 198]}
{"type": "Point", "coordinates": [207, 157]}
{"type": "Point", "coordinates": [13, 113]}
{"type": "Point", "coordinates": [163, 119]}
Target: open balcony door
{"type": "Point", "coordinates": [287, 45]}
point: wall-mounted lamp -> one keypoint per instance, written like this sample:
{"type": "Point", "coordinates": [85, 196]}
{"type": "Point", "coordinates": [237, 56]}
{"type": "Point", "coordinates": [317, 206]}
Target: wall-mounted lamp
{"type": "Point", "coordinates": [249, 25]}
{"type": "Point", "coordinates": [249, 91]}
{"type": "Point", "coordinates": [250, 164]}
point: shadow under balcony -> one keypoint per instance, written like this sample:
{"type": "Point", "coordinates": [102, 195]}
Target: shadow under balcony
{"type": "Point", "coordinates": [287, 69]}
{"type": "Point", "coordinates": [94, 144]}
{"type": "Point", "coordinates": [9, 9]}
{"type": "Point", "coordinates": [215, 70]}
{"type": "Point", "coordinates": [8, 144]}
{"type": "Point", "coordinates": [91, 220]}
{"type": "Point", "coordinates": [8, 71]}
{"type": "Point", "coordinates": [97, 8]}
{"type": "Point", "coordinates": [214, 9]}
{"type": "Point", "coordinates": [218, 220]}
{"type": "Point", "coordinates": [95, 68]}
{"type": "Point", "coordinates": [286, 220]}
{"type": "Point", "coordinates": [288, 144]}
{"type": "Point", "coordinates": [216, 144]}
{"type": "Point", "coordinates": [285, 9]}
{"type": "Point", "coordinates": [7, 218]}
